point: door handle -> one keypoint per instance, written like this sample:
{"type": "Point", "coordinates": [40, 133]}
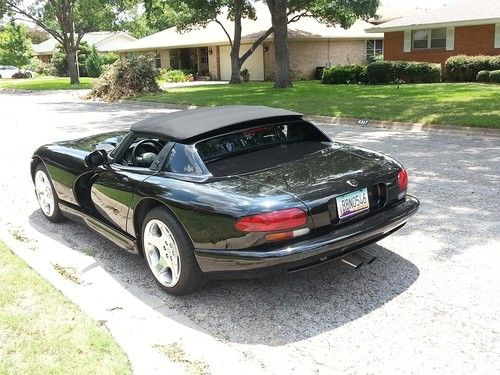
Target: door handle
{"type": "Point", "coordinates": [124, 178]}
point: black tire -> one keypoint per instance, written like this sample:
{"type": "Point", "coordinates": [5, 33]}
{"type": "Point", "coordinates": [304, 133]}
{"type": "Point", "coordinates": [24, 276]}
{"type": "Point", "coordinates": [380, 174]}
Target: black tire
{"type": "Point", "coordinates": [191, 277]}
{"type": "Point", "coordinates": [56, 216]}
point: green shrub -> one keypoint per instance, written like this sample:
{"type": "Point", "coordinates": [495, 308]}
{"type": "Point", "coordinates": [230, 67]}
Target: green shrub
{"type": "Point", "coordinates": [61, 64]}
{"type": "Point", "coordinates": [495, 76]}
{"type": "Point", "coordinates": [126, 77]}
{"type": "Point", "coordinates": [108, 58]}
{"type": "Point", "coordinates": [174, 75]}
{"type": "Point", "coordinates": [245, 75]}
{"type": "Point", "coordinates": [93, 64]}
{"type": "Point", "coordinates": [21, 75]}
{"type": "Point", "coordinates": [417, 72]}
{"type": "Point", "coordinates": [402, 72]}
{"type": "Point", "coordinates": [39, 67]}
{"type": "Point", "coordinates": [341, 74]}
{"type": "Point", "coordinates": [464, 68]}
{"type": "Point", "coordinates": [380, 72]}
{"type": "Point", "coordinates": [483, 76]}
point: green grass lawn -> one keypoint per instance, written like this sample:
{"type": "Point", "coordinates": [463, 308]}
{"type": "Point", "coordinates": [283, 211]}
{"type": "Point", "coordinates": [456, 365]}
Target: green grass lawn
{"type": "Point", "coordinates": [466, 104]}
{"type": "Point", "coordinates": [45, 83]}
{"type": "Point", "coordinates": [41, 332]}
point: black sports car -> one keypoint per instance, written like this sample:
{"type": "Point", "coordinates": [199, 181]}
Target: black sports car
{"type": "Point", "coordinates": [233, 191]}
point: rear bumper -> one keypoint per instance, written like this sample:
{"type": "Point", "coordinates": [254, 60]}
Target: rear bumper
{"type": "Point", "coordinates": [310, 252]}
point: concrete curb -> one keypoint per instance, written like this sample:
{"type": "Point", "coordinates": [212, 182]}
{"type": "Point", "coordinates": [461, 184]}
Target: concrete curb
{"type": "Point", "coordinates": [453, 129]}
{"type": "Point", "coordinates": [362, 123]}
{"type": "Point", "coordinates": [137, 320]}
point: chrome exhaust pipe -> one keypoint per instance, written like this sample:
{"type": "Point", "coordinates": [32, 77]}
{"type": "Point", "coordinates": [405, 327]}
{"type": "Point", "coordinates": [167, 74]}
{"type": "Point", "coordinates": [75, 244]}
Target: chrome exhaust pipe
{"type": "Point", "coordinates": [353, 260]}
{"type": "Point", "coordinates": [358, 259]}
{"type": "Point", "coordinates": [366, 256]}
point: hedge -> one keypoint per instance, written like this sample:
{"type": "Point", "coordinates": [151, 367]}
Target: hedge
{"type": "Point", "coordinates": [383, 72]}
{"type": "Point", "coordinates": [403, 72]}
{"type": "Point", "coordinates": [462, 68]}
{"type": "Point", "coordinates": [336, 74]}
{"type": "Point", "coordinates": [483, 76]}
{"type": "Point", "coordinates": [495, 76]}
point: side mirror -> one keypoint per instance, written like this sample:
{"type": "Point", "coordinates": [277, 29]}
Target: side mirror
{"type": "Point", "coordinates": [96, 158]}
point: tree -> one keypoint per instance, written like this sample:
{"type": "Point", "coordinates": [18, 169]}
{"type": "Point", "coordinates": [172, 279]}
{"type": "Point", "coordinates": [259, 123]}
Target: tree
{"type": "Point", "coordinates": [332, 12]}
{"type": "Point", "coordinates": [67, 20]}
{"type": "Point", "coordinates": [196, 13]}
{"type": "Point", "coordinates": [15, 46]}
{"type": "Point", "coordinates": [93, 64]}
{"type": "Point", "coordinates": [157, 16]}
{"type": "Point", "coordinates": [37, 35]}
{"type": "Point", "coordinates": [279, 18]}
{"type": "Point", "coordinates": [60, 60]}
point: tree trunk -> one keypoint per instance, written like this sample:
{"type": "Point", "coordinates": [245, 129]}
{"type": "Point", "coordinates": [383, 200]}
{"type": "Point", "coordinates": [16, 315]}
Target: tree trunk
{"type": "Point", "coordinates": [279, 17]}
{"type": "Point", "coordinates": [72, 69]}
{"type": "Point", "coordinates": [235, 46]}
{"type": "Point", "coordinates": [235, 67]}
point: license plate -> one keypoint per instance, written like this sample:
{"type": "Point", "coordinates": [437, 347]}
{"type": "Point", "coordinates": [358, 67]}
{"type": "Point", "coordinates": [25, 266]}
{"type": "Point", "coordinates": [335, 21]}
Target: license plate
{"type": "Point", "coordinates": [353, 203]}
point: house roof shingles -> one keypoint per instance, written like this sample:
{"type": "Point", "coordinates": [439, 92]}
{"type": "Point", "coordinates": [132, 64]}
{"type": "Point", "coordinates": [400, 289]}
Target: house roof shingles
{"type": "Point", "coordinates": [212, 33]}
{"type": "Point", "coordinates": [93, 38]}
{"type": "Point", "coordinates": [461, 12]}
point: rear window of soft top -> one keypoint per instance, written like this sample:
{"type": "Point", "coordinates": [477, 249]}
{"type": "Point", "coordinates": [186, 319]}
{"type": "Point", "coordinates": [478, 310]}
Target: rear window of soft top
{"type": "Point", "coordinates": [260, 147]}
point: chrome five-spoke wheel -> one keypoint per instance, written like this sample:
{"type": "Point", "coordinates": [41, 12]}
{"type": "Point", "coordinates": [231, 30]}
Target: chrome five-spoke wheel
{"type": "Point", "coordinates": [162, 253]}
{"type": "Point", "coordinates": [169, 252]}
{"type": "Point", "coordinates": [44, 193]}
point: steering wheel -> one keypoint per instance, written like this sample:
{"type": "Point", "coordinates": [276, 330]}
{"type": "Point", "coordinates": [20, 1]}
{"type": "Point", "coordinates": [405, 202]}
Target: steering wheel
{"type": "Point", "coordinates": [146, 156]}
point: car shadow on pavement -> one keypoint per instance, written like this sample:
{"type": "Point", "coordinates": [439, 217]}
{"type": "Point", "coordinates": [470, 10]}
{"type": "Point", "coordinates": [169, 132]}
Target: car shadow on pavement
{"type": "Point", "coordinates": [274, 311]}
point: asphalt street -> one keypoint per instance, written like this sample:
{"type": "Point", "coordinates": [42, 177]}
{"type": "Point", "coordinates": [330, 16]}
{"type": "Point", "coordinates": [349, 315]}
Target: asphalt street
{"type": "Point", "coordinates": [429, 304]}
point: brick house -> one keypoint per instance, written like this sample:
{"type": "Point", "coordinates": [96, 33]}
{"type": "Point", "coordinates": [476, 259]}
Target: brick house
{"type": "Point", "coordinates": [461, 28]}
{"type": "Point", "coordinates": [206, 50]}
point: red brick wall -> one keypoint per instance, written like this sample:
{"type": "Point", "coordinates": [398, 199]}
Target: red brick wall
{"type": "Point", "coordinates": [469, 40]}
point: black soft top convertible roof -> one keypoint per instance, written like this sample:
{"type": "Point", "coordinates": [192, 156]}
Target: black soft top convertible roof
{"type": "Point", "coordinates": [192, 123]}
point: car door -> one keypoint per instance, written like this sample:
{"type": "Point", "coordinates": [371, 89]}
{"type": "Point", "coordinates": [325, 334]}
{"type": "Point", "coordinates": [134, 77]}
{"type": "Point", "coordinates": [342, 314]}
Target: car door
{"type": "Point", "coordinates": [113, 189]}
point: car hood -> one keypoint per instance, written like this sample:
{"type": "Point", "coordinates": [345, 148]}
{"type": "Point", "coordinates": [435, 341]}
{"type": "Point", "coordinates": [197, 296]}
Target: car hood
{"type": "Point", "coordinates": [325, 173]}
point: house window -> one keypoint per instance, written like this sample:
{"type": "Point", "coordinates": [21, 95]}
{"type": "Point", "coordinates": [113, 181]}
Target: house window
{"type": "Point", "coordinates": [157, 60]}
{"type": "Point", "coordinates": [430, 38]}
{"type": "Point", "coordinates": [174, 59]}
{"type": "Point", "coordinates": [374, 48]}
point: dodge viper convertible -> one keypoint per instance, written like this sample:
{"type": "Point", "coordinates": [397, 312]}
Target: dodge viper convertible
{"type": "Point", "coordinates": [235, 191]}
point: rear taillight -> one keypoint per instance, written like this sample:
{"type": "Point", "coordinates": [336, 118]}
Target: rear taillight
{"type": "Point", "coordinates": [272, 221]}
{"type": "Point", "coordinates": [403, 180]}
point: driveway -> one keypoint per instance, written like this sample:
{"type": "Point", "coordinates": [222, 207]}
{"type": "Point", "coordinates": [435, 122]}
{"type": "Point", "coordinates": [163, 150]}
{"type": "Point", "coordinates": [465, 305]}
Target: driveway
{"type": "Point", "coordinates": [429, 304]}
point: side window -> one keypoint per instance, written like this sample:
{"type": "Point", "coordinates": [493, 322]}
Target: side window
{"type": "Point", "coordinates": [184, 159]}
{"type": "Point", "coordinates": [137, 151]}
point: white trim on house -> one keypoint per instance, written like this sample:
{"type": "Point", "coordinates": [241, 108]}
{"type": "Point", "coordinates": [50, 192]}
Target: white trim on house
{"type": "Point", "coordinates": [497, 35]}
{"type": "Point", "coordinates": [382, 29]}
{"type": "Point", "coordinates": [450, 38]}
{"type": "Point", "coordinates": [407, 41]}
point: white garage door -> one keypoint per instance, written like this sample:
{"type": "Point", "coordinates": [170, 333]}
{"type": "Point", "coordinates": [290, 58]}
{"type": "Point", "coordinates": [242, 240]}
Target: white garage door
{"type": "Point", "coordinates": [254, 64]}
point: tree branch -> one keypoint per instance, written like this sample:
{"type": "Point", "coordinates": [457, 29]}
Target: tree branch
{"type": "Point", "coordinates": [297, 17]}
{"type": "Point", "coordinates": [256, 44]}
{"type": "Point", "coordinates": [57, 36]}
{"type": "Point", "coordinates": [225, 31]}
